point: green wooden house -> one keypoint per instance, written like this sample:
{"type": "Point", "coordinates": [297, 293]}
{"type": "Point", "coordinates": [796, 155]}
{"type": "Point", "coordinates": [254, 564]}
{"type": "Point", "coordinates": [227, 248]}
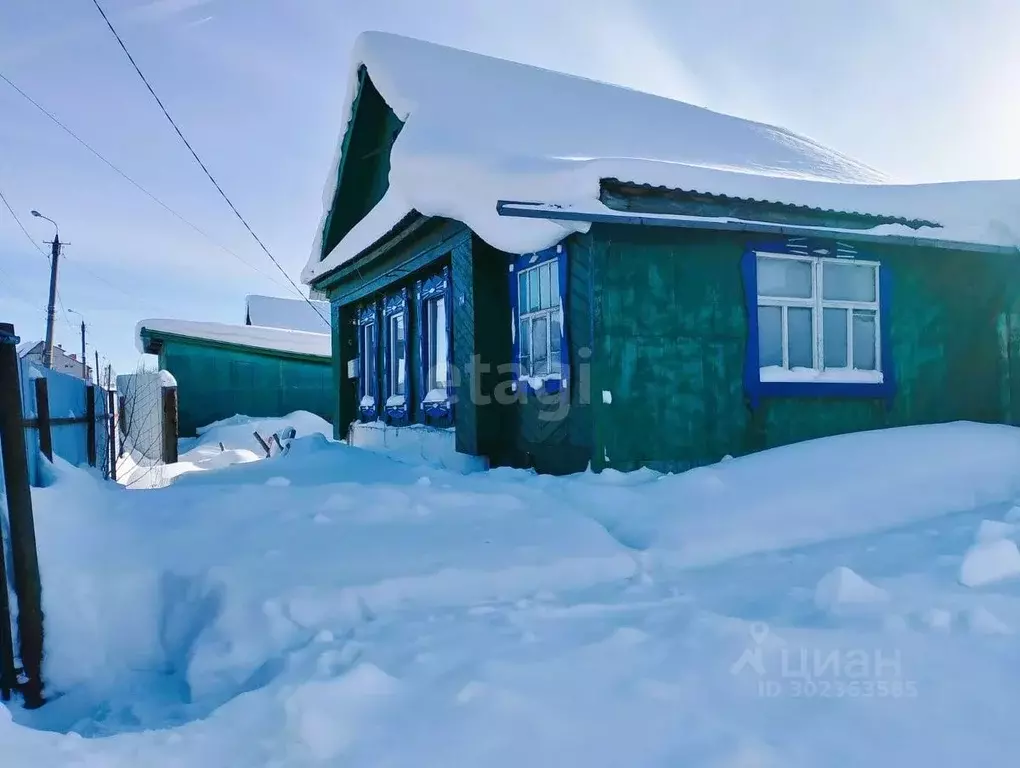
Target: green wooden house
{"type": "Point", "coordinates": [550, 272]}
{"type": "Point", "coordinates": [223, 370]}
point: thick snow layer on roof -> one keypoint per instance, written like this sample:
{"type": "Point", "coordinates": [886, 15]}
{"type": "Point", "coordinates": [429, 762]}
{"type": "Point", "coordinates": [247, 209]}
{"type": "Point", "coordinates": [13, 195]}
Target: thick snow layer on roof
{"type": "Point", "coordinates": [478, 130]}
{"type": "Point", "coordinates": [293, 314]}
{"type": "Point", "coordinates": [255, 336]}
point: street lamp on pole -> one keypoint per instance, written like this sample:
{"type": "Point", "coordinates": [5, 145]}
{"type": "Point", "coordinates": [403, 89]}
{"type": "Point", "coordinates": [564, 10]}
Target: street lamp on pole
{"type": "Point", "coordinates": [84, 366]}
{"type": "Point", "coordinates": [51, 309]}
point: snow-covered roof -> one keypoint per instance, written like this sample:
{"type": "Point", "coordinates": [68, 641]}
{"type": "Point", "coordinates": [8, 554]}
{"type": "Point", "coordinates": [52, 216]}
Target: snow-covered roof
{"type": "Point", "coordinates": [293, 314]}
{"type": "Point", "coordinates": [478, 130]}
{"type": "Point", "coordinates": [27, 346]}
{"type": "Point", "coordinates": [254, 336]}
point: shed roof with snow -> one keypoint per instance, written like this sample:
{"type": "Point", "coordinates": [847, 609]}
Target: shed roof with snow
{"type": "Point", "coordinates": [476, 130]}
{"type": "Point", "coordinates": [292, 314]}
{"type": "Point", "coordinates": [274, 340]}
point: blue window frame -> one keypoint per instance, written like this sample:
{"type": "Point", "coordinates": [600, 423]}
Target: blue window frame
{"type": "Point", "coordinates": [395, 325]}
{"type": "Point", "coordinates": [435, 322]}
{"type": "Point", "coordinates": [538, 299]}
{"type": "Point", "coordinates": [818, 322]}
{"type": "Point", "coordinates": [368, 356]}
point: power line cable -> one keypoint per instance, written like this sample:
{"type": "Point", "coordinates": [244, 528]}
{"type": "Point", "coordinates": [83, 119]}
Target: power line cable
{"type": "Point", "coordinates": [130, 180]}
{"type": "Point", "coordinates": [22, 226]}
{"type": "Point", "coordinates": [41, 250]}
{"type": "Point", "coordinates": [201, 164]}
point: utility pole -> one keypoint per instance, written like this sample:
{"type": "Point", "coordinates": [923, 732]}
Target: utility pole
{"type": "Point", "coordinates": [51, 308]}
{"type": "Point", "coordinates": [84, 363]}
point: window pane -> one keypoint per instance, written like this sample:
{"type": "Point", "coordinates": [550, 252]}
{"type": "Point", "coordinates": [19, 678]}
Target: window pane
{"type": "Point", "coordinates": [525, 347]}
{"type": "Point", "coordinates": [864, 341]}
{"type": "Point", "coordinates": [801, 341]}
{"type": "Point", "coordinates": [440, 343]}
{"type": "Point", "coordinates": [533, 290]}
{"type": "Point", "coordinates": [540, 345]}
{"type": "Point", "coordinates": [368, 369]}
{"type": "Point", "coordinates": [848, 282]}
{"type": "Point", "coordinates": [554, 281]}
{"type": "Point", "coordinates": [834, 338]}
{"type": "Point", "coordinates": [784, 277]}
{"type": "Point", "coordinates": [522, 291]}
{"type": "Point", "coordinates": [397, 355]}
{"type": "Point", "coordinates": [770, 336]}
{"type": "Point", "coordinates": [546, 277]}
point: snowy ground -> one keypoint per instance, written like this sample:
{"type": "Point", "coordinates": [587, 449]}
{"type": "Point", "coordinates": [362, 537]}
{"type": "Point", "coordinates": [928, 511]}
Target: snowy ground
{"type": "Point", "coordinates": [236, 435]}
{"type": "Point", "coordinates": [802, 607]}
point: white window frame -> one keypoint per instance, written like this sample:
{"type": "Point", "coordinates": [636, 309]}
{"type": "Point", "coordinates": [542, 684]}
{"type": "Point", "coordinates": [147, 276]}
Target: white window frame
{"type": "Point", "coordinates": [369, 357]}
{"type": "Point", "coordinates": [818, 372]}
{"type": "Point", "coordinates": [431, 318]}
{"type": "Point", "coordinates": [554, 366]}
{"type": "Point", "coordinates": [396, 358]}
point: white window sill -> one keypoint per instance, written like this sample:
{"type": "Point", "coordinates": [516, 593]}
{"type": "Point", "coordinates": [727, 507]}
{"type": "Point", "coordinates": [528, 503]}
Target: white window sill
{"type": "Point", "coordinates": [436, 396]}
{"type": "Point", "coordinates": [830, 376]}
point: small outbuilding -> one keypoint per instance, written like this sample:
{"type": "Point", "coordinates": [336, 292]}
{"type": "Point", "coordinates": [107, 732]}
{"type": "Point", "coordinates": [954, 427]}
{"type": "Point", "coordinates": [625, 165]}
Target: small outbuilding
{"type": "Point", "coordinates": [222, 370]}
{"type": "Point", "coordinates": [552, 272]}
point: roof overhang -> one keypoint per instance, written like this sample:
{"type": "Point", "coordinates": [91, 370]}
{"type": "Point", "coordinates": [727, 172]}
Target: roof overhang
{"type": "Point", "coordinates": [536, 210]}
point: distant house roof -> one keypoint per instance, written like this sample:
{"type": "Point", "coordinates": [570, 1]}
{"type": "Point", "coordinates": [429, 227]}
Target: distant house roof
{"type": "Point", "coordinates": [479, 130]}
{"type": "Point", "coordinates": [26, 347]}
{"type": "Point", "coordinates": [251, 336]}
{"type": "Point", "coordinates": [293, 314]}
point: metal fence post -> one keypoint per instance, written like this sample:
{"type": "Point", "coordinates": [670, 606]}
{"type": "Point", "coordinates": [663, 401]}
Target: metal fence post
{"type": "Point", "coordinates": [24, 557]}
{"type": "Point", "coordinates": [90, 426]}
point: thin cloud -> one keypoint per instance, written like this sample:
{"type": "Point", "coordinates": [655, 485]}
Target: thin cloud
{"type": "Point", "coordinates": [160, 10]}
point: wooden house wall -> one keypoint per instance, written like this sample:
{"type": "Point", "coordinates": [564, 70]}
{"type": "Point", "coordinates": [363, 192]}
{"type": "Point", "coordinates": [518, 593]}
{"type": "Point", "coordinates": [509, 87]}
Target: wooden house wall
{"type": "Point", "coordinates": [670, 326]}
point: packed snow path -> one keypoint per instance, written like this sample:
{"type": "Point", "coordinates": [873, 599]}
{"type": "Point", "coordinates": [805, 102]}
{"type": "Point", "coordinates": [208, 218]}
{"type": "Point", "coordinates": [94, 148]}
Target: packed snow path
{"type": "Point", "coordinates": [802, 607]}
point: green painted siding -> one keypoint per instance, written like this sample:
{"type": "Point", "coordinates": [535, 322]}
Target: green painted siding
{"type": "Point", "coordinates": [214, 383]}
{"type": "Point", "coordinates": [671, 329]}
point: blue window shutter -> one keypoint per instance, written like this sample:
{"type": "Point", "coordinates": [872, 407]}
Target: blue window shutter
{"type": "Point", "coordinates": [368, 354]}
{"type": "Point", "coordinates": [752, 377]}
{"type": "Point", "coordinates": [426, 290]}
{"type": "Point", "coordinates": [517, 265]}
{"type": "Point", "coordinates": [423, 349]}
{"type": "Point", "coordinates": [393, 305]}
{"type": "Point", "coordinates": [450, 388]}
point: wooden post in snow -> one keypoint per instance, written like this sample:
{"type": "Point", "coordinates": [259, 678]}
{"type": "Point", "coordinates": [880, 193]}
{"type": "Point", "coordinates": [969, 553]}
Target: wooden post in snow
{"type": "Point", "coordinates": [42, 413]}
{"type": "Point", "coordinates": [112, 432]}
{"type": "Point", "coordinates": [24, 557]}
{"type": "Point", "coordinates": [170, 425]}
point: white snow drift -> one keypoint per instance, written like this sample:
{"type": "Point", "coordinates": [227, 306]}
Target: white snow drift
{"type": "Point", "coordinates": [331, 606]}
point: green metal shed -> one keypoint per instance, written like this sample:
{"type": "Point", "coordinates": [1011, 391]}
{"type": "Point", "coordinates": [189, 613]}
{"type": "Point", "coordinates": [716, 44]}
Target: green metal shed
{"type": "Point", "coordinates": [223, 370]}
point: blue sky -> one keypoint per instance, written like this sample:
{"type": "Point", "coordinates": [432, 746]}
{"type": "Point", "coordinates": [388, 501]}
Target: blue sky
{"type": "Point", "coordinates": [923, 89]}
